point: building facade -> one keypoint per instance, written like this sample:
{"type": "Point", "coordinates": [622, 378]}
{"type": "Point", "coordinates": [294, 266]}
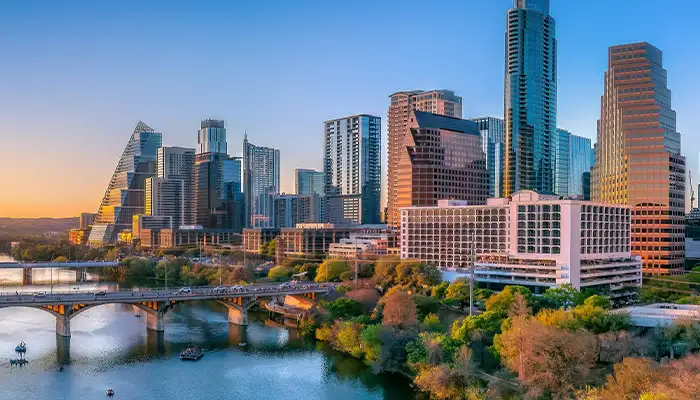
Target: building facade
{"type": "Point", "coordinates": [124, 196]}
{"type": "Point", "coordinates": [261, 179]}
{"type": "Point", "coordinates": [580, 165]}
{"type": "Point", "coordinates": [165, 197]}
{"type": "Point", "coordinates": [314, 240]}
{"type": "Point", "coordinates": [197, 236]}
{"type": "Point", "coordinates": [443, 158]}
{"type": "Point", "coordinates": [539, 241]}
{"type": "Point", "coordinates": [309, 181]}
{"type": "Point", "coordinates": [291, 209]}
{"type": "Point", "coordinates": [561, 162]}
{"type": "Point", "coordinates": [78, 237]}
{"type": "Point", "coordinates": [360, 246]}
{"type": "Point", "coordinates": [352, 169]}
{"type": "Point", "coordinates": [638, 158]}
{"type": "Point", "coordinates": [492, 140]}
{"type": "Point", "coordinates": [530, 98]}
{"type": "Point", "coordinates": [211, 137]}
{"type": "Point", "coordinates": [177, 163]}
{"type": "Point", "coordinates": [87, 219]}
{"type": "Point", "coordinates": [442, 102]}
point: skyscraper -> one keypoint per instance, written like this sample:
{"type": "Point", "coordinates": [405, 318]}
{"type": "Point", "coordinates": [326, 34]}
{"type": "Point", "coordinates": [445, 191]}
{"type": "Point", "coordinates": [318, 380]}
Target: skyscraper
{"type": "Point", "coordinates": [87, 219]}
{"type": "Point", "coordinates": [211, 137]}
{"type": "Point", "coordinates": [165, 198]}
{"type": "Point", "coordinates": [291, 209]}
{"type": "Point", "coordinates": [561, 162]}
{"type": "Point", "coordinates": [352, 169]}
{"type": "Point", "coordinates": [443, 159]}
{"type": "Point", "coordinates": [530, 98]}
{"type": "Point", "coordinates": [178, 163]}
{"type": "Point", "coordinates": [580, 164]}
{"type": "Point", "coordinates": [261, 178]}
{"type": "Point", "coordinates": [309, 181]}
{"type": "Point", "coordinates": [217, 183]}
{"type": "Point", "coordinates": [124, 196]}
{"type": "Point", "coordinates": [442, 102]}
{"type": "Point", "coordinates": [492, 140]}
{"type": "Point", "coordinates": [637, 158]}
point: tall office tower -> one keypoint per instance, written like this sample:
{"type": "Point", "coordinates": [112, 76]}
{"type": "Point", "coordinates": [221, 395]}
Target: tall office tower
{"type": "Point", "coordinates": [87, 219]}
{"type": "Point", "coordinates": [530, 99]}
{"type": "Point", "coordinates": [178, 163]}
{"type": "Point", "coordinates": [211, 137]}
{"type": "Point", "coordinates": [352, 167]}
{"type": "Point", "coordinates": [443, 102]}
{"type": "Point", "coordinates": [443, 159]}
{"type": "Point", "coordinates": [492, 141]}
{"type": "Point", "coordinates": [561, 162]}
{"type": "Point", "coordinates": [580, 164]}
{"type": "Point", "coordinates": [165, 198]}
{"type": "Point", "coordinates": [218, 192]}
{"type": "Point", "coordinates": [309, 181]}
{"type": "Point", "coordinates": [124, 196]}
{"type": "Point", "coordinates": [638, 160]}
{"type": "Point", "coordinates": [291, 209]}
{"type": "Point", "coordinates": [261, 178]}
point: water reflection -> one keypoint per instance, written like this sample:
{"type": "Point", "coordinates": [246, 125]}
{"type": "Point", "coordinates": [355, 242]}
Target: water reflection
{"type": "Point", "coordinates": [111, 347]}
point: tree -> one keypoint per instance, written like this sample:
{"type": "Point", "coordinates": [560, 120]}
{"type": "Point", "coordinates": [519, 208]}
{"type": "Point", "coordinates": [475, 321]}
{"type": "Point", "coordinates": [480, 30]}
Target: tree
{"type": "Point", "coordinates": [562, 296]}
{"type": "Point", "coordinates": [431, 323]}
{"type": "Point", "coordinates": [112, 254]}
{"type": "Point", "coordinates": [60, 259]}
{"type": "Point", "coordinates": [501, 301]}
{"type": "Point", "coordinates": [440, 290]}
{"type": "Point", "coordinates": [330, 270]}
{"type": "Point", "coordinates": [399, 310]}
{"type": "Point", "coordinates": [598, 301]}
{"type": "Point", "coordinates": [343, 308]}
{"type": "Point", "coordinates": [385, 271]}
{"type": "Point", "coordinates": [547, 359]}
{"type": "Point", "coordinates": [458, 293]}
{"type": "Point", "coordinates": [367, 297]}
{"type": "Point", "coordinates": [310, 269]}
{"type": "Point", "coordinates": [279, 273]}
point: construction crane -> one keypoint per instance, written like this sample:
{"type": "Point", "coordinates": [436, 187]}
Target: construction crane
{"type": "Point", "coordinates": [692, 192]}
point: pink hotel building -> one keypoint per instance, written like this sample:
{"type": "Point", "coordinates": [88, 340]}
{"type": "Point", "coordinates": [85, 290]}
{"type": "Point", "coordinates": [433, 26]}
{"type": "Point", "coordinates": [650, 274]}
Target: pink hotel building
{"type": "Point", "coordinates": [531, 239]}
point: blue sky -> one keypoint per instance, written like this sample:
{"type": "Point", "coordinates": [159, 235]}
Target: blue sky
{"type": "Point", "coordinates": [75, 77]}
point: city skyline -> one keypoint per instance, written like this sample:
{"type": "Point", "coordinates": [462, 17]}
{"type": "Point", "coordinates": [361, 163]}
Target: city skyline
{"type": "Point", "coordinates": [82, 91]}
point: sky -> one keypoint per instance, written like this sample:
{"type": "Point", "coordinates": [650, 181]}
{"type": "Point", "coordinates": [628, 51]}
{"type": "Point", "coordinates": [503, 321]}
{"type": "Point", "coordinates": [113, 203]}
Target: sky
{"type": "Point", "coordinates": [76, 77]}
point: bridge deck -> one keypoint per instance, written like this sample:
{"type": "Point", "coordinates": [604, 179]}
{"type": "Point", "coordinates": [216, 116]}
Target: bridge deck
{"type": "Point", "coordinates": [68, 264]}
{"type": "Point", "coordinates": [136, 296]}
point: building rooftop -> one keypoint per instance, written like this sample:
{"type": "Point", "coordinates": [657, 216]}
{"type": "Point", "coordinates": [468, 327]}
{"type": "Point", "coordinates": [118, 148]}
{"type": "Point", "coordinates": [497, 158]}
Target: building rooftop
{"type": "Point", "coordinates": [435, 121]}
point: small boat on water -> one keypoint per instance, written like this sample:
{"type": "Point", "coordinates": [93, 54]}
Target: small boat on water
{"type": "Point", "coordinates": [110, 392]}
{"type": "Point", "coordinates": [137, 315]}
{"type": "Point", "coordinates": [18, 361]}
{"type": "Point", "coordinates": [242, 344]}
{"type": "Point", "coordinates": [21, 347]}
{"type": "Point", "coordinates": [191, 353]}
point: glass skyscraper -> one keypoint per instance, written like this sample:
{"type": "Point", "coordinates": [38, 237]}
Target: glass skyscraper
{"type": "Point", "coordinates": [580, 164]}
{"type": "Point", "coordinates": [261, 179]}
{"type": "Point", "coordinates": [492, 140]}
{"type": "Point", "coordinates": [530, 98]}
{"type": "Point", "coordinates": [309, 181]}
{"type": "Point", "coordinates": [638, 158]}
{"type": "Point", "coordinates": [352, 169]}
{"type": "Point", "coordinates": [177, 163]}
{"type": "Point", "coordinates": [125, 194]}
{"type": "Point", "coordinates": [561, 162]}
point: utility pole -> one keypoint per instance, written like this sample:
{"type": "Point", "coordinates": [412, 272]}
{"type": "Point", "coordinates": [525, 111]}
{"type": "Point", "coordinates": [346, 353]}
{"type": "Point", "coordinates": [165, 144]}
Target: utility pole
{"type": "Point", "coordinates": [356, 270]}
{"type": "Point", "coordinates": [471, 275]}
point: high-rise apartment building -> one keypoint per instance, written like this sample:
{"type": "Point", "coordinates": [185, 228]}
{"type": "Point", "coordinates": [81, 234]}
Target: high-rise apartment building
{"type": "Point", "coordinates": [124, 196]}
{"type": "Point", "coordinates": [580, 165]}
{"type": "Point", "coordinates": [177, 163]}
{"type": "Point", "coordinates": [211, 137]}
{"type": "Point", "coordinates": [561, 162]}
{"type": "Point", "coordinates": [352, 169]}
{"type": "Point", "coordinates": [165, 198]}
{"type": "Point", "coordinates": [492, 140]}
{"type": "Point", "coordinates": [309, 181]}
{"type": "Point", "coordinates": [261, 179]}
{"type": "Point", "coordinates": [442, 102]}
{"type": "Point", "coordinates": [638, 157]}
{"type": "Point", "coordinates": [87, 219]}
{"type": "Point", "coordinates": [530, 98]}
{"type": "Point", "coordinates": [442, 159]}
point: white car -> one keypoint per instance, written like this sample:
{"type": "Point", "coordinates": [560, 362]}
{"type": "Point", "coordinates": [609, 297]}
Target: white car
{"type": "Point", "coordinates": [39, 294]}
{"type": "Point", "coordinates": [185, 290]}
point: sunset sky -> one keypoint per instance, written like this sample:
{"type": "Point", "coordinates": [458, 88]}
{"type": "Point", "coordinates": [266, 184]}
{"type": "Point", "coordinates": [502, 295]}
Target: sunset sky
{"type": "Point", "coordinates": [75, 77]}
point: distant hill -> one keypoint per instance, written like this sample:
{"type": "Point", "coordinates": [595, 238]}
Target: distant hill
{"type": "Point", "coordinates": [19, 227]}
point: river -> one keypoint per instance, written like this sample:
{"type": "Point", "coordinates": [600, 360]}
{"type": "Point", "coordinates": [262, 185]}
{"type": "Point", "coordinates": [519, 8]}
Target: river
{"type": "Point", "coordinates": [111, 348]}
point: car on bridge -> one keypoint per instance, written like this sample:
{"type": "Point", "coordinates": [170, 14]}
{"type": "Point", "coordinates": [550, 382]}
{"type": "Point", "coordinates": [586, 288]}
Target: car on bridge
{"type": "Point", "coordinates": [100, 293]}
{"type": "Point", "coordinates": [185, 290]}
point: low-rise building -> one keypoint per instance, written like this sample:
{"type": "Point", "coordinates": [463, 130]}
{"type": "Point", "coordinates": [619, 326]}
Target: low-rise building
{"type": "Point", "coordinates": [196, 235]}
{"type": "Point", "coordinates": [661, 314]}
{"type": "Point", "coordinates": [142, 221]}
{"type": "Point", "coordinates": [534, 240]}
{"type": "Point", "coordinates": [365, 246]}
{"type": "Point", "coordinates": [254, 238]}
{"type": "Point", "coordinates": [78, 236]}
